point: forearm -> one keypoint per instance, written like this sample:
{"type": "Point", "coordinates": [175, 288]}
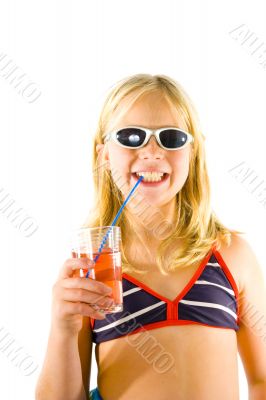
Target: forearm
{"type": "Point", "coordinates": [61, 375]}
{"type": "Point", "coordinates": [257, 391]}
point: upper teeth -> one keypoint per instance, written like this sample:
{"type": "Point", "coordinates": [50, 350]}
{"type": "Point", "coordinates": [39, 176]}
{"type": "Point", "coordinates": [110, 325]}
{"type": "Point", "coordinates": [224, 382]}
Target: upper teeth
{"type": "Point", "coordinates": [151, 176]}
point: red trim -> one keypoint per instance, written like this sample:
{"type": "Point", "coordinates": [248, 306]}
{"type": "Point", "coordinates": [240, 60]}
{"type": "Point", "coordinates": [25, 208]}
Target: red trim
{"type": "Point", "coordinates": [187, 322]}
{"type": "Point", "coordinates": [183, 292]}
{"type": "Point", "coordinates": [92, 321]}
{"type": "Point", "coordinates": [194, 277]}
{"type": "Point", "coordinates": [230, 278]}
{"type": "Point", "coordinates": [170, 311]}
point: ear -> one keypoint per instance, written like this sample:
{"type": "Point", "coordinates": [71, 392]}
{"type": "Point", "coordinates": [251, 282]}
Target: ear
{"type": "Point", "coordinates": [104, 157]}
{"type": "Point", "coordinates": [99, 147]}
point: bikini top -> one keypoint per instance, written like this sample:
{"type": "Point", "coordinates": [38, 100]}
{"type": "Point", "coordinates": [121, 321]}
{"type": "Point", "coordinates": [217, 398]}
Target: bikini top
{"type": "Point", "coordinates": [210, 298]}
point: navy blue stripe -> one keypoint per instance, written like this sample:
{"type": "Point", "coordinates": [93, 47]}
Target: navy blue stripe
{"type": "Point", "coordinates": [211, 294]}
{"type": "Point", "coordinates": [212, 258]}
{"type": "Point", "coordinates": [215, 275]}
{"type": "Point", "coordinates": [127, 285]}
{"type": "Point", "coordinates": [156, 315]}
{"type": "Point", "coordinates": [132, 303]}
{"type": "Point", "coordinates": [206, 315]}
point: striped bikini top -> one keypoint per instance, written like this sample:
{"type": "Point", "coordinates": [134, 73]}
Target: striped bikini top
{"type": "Point", "coordinates": [210, 298]}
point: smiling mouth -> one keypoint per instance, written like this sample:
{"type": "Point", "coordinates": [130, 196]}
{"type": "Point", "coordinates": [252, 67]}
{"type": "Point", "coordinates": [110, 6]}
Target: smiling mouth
{"type": "Point", "coordinates": [151, 179]}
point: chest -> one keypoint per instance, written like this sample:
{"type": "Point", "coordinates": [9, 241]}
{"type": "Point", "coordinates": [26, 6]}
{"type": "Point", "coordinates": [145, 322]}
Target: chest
{"type": "Point", "coordinates": [175, 282]}
{"type": "Point", "coordinates": [169, 286]}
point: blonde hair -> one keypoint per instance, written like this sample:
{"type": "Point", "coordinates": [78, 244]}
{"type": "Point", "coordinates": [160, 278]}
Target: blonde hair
{"type": "Point", "coordinates": [196, 224]}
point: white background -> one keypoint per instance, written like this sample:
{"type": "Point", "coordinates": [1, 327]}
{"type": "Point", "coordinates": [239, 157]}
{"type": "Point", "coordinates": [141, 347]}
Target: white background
{"type": "Point", "coordinates": [75, 51]}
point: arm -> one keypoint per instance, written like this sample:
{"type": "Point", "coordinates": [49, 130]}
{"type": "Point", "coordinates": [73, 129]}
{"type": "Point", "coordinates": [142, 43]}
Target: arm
{"type": "Point", "coordinates": [85, 352]}
{"type": "Point", "coordinates": [251, 336]}
{"type": "Point", "coordinates": [66, 369]}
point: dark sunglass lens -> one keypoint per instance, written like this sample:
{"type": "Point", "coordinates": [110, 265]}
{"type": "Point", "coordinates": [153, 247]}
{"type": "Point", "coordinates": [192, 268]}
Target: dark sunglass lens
{"type": "Point", "coordinates": [173, 138]}
{"type": "Point", "coordinates": [131, 137]}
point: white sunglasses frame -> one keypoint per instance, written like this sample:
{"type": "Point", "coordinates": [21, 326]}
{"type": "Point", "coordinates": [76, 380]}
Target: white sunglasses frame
{"type": "Point", "coordinates": [149, 133]}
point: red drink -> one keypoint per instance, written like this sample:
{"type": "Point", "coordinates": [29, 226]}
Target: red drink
{"type": "Point", "coordinates": [108, 270]}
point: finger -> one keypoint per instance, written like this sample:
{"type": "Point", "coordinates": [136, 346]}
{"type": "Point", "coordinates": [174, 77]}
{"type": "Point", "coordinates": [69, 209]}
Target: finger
{"type": "Point", "coordinates": [88, 284]}
{"type": "Point", "coordinates": [82, 309]}
{"type": "Point", "coordinates": [71, 264]}
{"type": "Point", "coordinates": [81, 295]}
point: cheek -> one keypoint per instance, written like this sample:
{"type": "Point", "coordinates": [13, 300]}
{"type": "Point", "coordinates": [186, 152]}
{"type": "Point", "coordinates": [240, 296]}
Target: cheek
{"type": "Point", "coordinates": [180, 165]}
{"type": "Point", "coordinates": [181, 160]}
{"type": "Point", "coordinates": [116, 157]}
{"type": "Point", "coordinates": [119, 161]}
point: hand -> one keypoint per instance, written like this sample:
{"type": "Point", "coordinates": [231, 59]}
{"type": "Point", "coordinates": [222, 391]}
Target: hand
{"type": "Point", "coordinates": [75, 297]}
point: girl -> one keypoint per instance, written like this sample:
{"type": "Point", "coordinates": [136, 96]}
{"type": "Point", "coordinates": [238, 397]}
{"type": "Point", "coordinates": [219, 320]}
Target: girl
{"type": "Point", "coordinates": [193, 291]}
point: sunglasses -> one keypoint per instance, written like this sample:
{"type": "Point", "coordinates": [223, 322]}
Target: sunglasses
{"type": "Point", "coordinates": [135, 137]}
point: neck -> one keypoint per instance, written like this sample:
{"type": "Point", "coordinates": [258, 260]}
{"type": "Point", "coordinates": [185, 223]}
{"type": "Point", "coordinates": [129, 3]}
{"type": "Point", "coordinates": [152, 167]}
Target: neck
{"type": "Point", "coordinates": [145, 232]}
{"type": "Point", "coordinates": [152, 224]}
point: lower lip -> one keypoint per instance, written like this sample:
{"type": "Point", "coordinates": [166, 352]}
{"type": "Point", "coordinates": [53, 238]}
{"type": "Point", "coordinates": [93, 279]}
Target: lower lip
{"type": "Point", "coordinates": [161, 182]}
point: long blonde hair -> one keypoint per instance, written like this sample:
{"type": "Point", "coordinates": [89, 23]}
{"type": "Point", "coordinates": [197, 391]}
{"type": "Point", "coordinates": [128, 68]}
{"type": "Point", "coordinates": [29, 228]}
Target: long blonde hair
{"type": "Point", "coordinates": [196, 225]}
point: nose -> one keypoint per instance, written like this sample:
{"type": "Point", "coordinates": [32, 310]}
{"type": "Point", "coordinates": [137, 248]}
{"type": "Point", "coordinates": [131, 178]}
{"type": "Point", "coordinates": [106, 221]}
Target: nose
{"type": "Point", "coordinates": [151, 150]}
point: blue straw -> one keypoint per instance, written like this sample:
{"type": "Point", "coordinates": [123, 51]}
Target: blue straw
{"type": "Point", "coordinates": [113, 223]}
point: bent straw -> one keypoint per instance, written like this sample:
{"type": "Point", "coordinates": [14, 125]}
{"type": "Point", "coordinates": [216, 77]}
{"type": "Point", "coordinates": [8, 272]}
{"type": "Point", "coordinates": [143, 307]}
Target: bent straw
{"type": "Point", "coordinates": [113, 223]}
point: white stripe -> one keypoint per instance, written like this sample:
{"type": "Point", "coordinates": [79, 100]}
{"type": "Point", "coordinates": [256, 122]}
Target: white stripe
{"type": "Point", "coordinates": [212, 305]}
{"type": "Point", "coordinates": [202, 282]}
{"type": "Point", "coordinates": [131, 291]}
{"type": "Point", "coordinates": [135, 314]}
{"type": "Point", "coordinates": [215, 264]}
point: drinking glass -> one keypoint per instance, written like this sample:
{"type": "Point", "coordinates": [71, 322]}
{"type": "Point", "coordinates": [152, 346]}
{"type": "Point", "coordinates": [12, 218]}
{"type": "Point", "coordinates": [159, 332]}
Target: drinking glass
{"type": "Point", "coordinates": [88, 243]}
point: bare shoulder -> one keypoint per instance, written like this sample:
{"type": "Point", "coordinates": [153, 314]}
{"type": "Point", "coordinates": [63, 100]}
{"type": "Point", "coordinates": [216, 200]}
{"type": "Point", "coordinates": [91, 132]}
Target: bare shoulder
{"type": "Point", "coordinates": [241, 260]}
